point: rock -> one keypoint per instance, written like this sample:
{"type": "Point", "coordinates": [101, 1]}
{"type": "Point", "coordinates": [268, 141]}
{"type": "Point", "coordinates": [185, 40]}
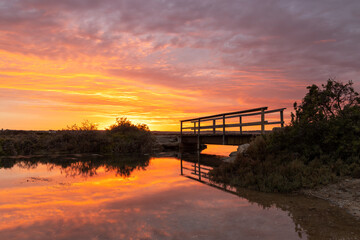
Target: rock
{"type": "Point", "coordinates": [230, 159]}
{"type": "Point", "coordinates": [243, 148]}
{"type": "Point", "coordinates": [233, 155]}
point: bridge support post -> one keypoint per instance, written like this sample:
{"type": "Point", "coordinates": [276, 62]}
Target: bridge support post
{"type": "Point", "coordinates": [181, 164]}
{"type": "Point", "coordinates": [198, 145]}
{"type": "Point", "coordinates": [262, 121]}
{"type": "Point", "coordinates": [282, 118]}
{"type": "Point", "coordinates": [214, 122]}
{"type": "Point", "coordinates": [223, 129]}
{"type": "Point", "coordinates": [194, 127]}
{"type": "Point", "coordinates": [199, 156]}
{"type": "Point", "coordinates": [181, 127]}
{"type": "Point", "coordinates": [240, 122]}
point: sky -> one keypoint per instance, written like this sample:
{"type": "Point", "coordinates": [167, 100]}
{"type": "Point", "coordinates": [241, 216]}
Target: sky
{"type": "Point", "coordinates": [159, 61]}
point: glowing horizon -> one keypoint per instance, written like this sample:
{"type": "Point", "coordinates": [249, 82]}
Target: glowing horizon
{"type": "Point", "coordinates": [157, 62]}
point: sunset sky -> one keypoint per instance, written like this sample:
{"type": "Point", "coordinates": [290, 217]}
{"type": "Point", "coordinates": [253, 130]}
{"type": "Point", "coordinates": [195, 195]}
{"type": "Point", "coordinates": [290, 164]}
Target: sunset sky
{"type": "Point", "coordinates": [159, 61]}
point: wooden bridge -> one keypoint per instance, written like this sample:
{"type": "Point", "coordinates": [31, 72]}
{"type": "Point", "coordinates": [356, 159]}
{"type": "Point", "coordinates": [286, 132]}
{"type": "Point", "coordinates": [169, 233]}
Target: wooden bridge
{"type": "Point", "coordinates": [230, 128]}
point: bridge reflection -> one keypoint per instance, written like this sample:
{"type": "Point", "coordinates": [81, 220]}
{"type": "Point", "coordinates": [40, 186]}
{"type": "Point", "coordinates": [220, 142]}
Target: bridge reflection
{"type": "Point", "coordinates": [197, 167]}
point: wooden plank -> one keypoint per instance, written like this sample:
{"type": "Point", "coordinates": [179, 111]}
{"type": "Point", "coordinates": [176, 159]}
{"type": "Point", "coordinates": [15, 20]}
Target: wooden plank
{"type": "Point", "coordinates": [270, 123]}
{"type": "Point", "coordinates": [275, 110]}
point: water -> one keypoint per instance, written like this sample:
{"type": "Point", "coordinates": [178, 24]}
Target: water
{"type": "Point", "coordinates": [148, 198]}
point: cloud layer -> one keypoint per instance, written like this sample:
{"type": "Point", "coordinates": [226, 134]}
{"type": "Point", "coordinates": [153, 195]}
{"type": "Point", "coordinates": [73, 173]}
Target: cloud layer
{"type": "Point", "coordinates": [159, 61]}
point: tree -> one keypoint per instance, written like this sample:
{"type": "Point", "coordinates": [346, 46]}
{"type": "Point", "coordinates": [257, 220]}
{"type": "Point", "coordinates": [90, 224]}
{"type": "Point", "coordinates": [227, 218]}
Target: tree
{"type": "Point", "coordinates": [86, 125]}
{"type": "Point", "coordinates": [335, 99]}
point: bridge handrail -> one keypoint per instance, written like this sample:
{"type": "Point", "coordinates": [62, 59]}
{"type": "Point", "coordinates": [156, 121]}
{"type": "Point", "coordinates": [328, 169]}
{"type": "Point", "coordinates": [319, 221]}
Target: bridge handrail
{"type": "Point", "coordinates": [229, 113]}
{"type": "Point", "coordinates": [239, 114]}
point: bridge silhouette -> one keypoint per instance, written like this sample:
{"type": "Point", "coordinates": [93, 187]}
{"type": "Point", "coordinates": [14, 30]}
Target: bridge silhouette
{"type": "Point", "coordinates": [229, 128]}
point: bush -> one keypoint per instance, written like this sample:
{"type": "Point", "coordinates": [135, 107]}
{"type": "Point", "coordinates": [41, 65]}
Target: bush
{"type": "Point", "coordinates": [321, 144]}
{"type": "Point", "coordinates": [122, 137]}
{"type": "Point", "coordinates": [128, 137]}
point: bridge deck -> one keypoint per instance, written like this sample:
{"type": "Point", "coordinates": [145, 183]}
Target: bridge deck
{"type": "Point", "coordinates": [219, 139]}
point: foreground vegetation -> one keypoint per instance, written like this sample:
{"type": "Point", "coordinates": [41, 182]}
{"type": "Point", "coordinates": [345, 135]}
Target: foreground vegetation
{"type": "Point", "coordinates": [121, 137]}
{"type": "Point", "coordinates": [321, 145]}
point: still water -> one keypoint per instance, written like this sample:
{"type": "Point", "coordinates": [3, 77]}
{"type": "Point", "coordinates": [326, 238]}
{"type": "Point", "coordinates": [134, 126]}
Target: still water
{"type": "Point", "coordinates": [143, 197]}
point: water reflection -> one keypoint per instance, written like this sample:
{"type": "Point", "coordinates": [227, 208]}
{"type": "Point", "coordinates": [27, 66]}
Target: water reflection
{"type": "Point", "coordinates": [82, 165]}
{"type": "Point", "coordinates": [313, 218]}
{"type": "Point", "coordinates": [146, 198]}
{"type": "Point", "coordinates": [219, 150]}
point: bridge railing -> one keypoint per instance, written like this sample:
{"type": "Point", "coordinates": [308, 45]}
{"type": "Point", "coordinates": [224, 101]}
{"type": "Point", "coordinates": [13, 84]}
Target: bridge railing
{"type": "Point", "coordinates": [238, 115]}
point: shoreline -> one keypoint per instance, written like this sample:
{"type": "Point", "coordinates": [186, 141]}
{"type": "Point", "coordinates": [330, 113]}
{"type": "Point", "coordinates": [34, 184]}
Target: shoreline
{"type": "Point", "coordinates": [344, 194]}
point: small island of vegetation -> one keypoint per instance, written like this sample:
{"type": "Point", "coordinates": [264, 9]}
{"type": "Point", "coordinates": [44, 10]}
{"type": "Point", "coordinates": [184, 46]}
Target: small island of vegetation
{"type": "Point", "coordinates": [321, 145]}
{"type": "Point", "coordinates": [121, 137]}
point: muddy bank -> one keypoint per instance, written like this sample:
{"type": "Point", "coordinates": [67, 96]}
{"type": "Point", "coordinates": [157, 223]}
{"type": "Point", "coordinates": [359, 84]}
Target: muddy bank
{"type": "Point", "coordinates": [345, 194]}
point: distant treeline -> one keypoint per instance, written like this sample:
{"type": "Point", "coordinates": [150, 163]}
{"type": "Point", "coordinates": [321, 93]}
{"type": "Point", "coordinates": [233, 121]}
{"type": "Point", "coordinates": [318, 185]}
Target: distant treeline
{"type": "Point", "coordinates": [121, 137]}
{"type": "Point", "coordinates": [320, 146]}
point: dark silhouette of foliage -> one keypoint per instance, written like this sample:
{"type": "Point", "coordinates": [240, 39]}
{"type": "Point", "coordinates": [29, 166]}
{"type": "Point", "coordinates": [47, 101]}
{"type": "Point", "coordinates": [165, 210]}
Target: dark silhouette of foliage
{"type": "Point", "coordinates": [122, 137]}
{"type": "Point", "coordinates": [335, 99]}
{"type": "Point", "coordinates": [321, 144]}
{"type": "Point", "coordinates": [128, 137]}
{"type": "Point", "coordinates": [85, 126]}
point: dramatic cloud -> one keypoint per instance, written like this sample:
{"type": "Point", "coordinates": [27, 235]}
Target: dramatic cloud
{"type": "Point", "coordinates": [159, 61]}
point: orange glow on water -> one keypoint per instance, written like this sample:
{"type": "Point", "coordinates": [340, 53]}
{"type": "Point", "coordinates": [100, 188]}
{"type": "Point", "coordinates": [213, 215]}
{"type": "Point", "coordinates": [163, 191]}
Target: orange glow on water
{"type": "Point", "coordinates": [223, 150]}
{"type": "Point", "coordinates": [153, 201]}
{"type": "Point", "coordinates": [42, 201]}
{"type": "Point", "coordinates": [26, 202]}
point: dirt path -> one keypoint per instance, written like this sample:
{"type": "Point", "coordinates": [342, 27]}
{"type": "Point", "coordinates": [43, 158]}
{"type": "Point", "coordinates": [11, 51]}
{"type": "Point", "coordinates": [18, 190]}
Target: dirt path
{"type": "Point", "coordinates": [345, 194]}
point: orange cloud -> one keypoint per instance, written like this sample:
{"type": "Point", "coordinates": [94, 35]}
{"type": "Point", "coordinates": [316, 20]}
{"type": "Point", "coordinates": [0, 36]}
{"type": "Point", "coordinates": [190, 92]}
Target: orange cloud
{"type": "Point", "coordinates": [65, 61]}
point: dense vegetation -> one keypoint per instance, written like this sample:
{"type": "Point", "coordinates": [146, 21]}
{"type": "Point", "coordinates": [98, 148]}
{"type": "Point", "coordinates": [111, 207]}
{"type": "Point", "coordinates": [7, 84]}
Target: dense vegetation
{"type": "Point", "coordinates": [320, 145]}
{"type": "Point", "coordinates": [121, 137]}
